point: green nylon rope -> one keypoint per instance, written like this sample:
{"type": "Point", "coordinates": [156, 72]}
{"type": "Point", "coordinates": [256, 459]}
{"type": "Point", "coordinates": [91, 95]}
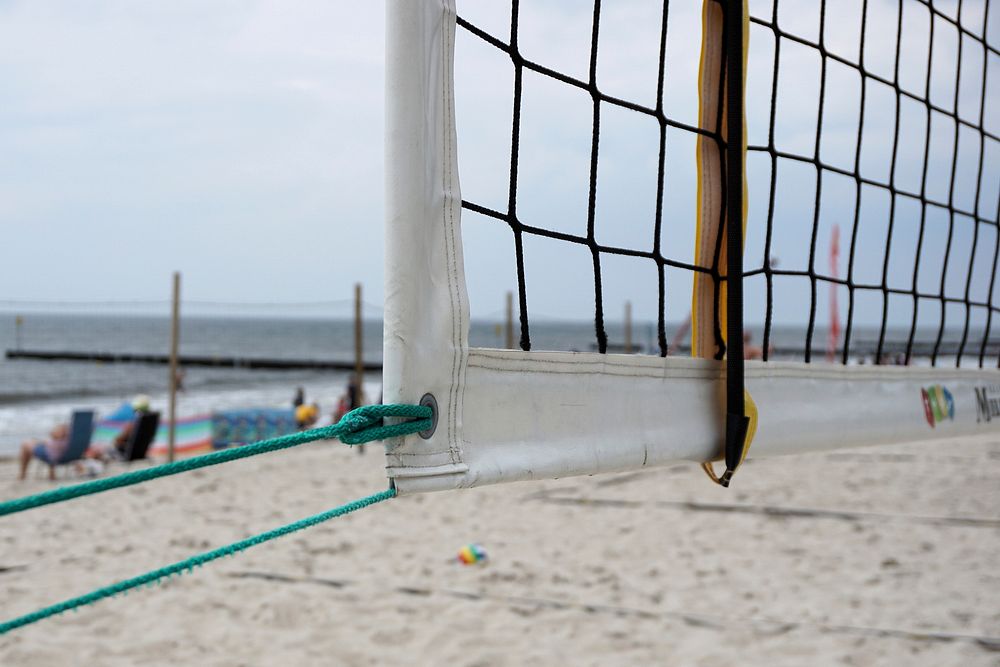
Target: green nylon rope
{"type": "Point", "coordinates": [356, 427]}
{"type": "Point", "coordinates": [188, 564]}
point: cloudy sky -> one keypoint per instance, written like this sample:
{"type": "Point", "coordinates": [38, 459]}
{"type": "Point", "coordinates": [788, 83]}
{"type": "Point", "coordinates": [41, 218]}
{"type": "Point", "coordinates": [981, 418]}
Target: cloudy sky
{"type": "Point", "coordinates": [241, 143]}
{"type": "Point", "coordinates": [238, 142]}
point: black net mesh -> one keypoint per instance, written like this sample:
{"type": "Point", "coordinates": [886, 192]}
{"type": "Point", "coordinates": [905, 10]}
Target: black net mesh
{"type": "Point", "coordinates": [878, 122]}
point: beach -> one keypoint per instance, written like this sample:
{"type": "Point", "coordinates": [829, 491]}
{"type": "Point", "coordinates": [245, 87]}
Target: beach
{"type": "Point", "coordinates": [567, 237]}
{"type": "Point", "coordinates": [880, 556]}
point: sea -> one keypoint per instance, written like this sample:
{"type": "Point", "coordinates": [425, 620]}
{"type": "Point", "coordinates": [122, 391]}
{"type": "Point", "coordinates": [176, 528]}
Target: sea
{"type": "Point", "coordinates": [37, 394]}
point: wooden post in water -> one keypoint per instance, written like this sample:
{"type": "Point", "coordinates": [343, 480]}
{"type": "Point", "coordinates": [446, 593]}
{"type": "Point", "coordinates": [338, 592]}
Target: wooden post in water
{"type": "Point", "coordinates": [359, 364]}
{"type": "Point", "coordinates": [628, 327]}
{"type": "Point", "coordinates": [510, 321]}
{"type": "Point", "coordinates": [175, 331]}
{"type": "Point", "coordinates": [18, 323]}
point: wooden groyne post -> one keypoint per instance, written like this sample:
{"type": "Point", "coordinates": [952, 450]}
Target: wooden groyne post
{"type": "Point", "coordinates": [628, 327]}
{"type": "Point", "coordinates": [510, 321]}
{"type": "Point", "coordinates": [175, 333]}
{"type": "Point", "coordinates": [359, 364]}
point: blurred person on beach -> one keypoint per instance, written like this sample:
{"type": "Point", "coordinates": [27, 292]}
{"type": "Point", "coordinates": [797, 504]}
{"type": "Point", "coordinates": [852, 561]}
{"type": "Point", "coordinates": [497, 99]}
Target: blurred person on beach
{"type": "Point", "coordinates": [342, 408]}
{"type": "Point", "coordinates": [306, 415]}
{"type": "Point", "coordinates": [681, 334]}
{"type": "Point", "coordinates": [47, 451]}
{"type": "Point", "coordinates": [751, 351]}
{"type": "Point", "coordinates": [354, 397]}
{"type": "Point", "coordinates": [355, 393]}
{"type": "Point", "coordinates": [300, 397]}
{"type": "Point", "coordinates": [140, 406]}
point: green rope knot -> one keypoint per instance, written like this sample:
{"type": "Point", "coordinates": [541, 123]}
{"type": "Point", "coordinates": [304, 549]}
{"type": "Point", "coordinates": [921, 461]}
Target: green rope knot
{"type": "Point", "coordinates": [367, 423]}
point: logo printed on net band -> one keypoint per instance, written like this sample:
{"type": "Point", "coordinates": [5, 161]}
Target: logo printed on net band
{"type": "Point", "coordinates": [987, 403]}
{"type": "Point", "coordinates": [938, 404]}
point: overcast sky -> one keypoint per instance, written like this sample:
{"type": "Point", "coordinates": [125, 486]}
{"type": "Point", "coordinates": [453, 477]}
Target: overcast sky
{"type": "Point", "coordinates": [242, 143]}
{"type": "Point", "coordinates": [239, 142]}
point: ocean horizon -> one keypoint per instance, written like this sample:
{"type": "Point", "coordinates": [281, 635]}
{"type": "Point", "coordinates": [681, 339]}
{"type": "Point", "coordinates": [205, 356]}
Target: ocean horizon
{"type": "Point", "coordinates": [36, 394]}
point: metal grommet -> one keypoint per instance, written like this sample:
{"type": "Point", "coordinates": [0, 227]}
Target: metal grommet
{"type": "Point", "coordinates": [429, 401]}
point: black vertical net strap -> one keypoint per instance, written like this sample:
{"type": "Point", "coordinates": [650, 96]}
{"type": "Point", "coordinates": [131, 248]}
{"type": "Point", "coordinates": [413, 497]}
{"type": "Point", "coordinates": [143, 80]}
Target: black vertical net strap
{"type": "Point", "coordinates": [960, 339]}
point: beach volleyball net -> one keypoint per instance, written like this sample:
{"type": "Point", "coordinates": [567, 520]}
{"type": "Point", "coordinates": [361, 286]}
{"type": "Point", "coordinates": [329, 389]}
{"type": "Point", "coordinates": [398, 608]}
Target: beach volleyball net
{"type": "Point", "coordinates": [855, 143]}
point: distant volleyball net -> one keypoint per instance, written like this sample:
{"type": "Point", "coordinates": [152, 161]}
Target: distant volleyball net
{"type": "Point", "coordinates": [776, 165]}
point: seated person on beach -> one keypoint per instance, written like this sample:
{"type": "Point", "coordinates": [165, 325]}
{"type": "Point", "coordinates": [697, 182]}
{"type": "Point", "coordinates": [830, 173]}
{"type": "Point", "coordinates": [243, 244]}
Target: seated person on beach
{"type": "Point", "coordinates": [47, 451]}
{"type": "Point", "coordinates": [117, 450]}
{"type": "Point", "coordinates": [141, 406]}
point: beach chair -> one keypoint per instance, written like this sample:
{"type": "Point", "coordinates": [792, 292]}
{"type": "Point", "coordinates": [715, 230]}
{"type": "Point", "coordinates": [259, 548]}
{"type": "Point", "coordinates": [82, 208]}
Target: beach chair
{"type": "Point", "coordinates": [142, 436]}
{"type": "Point", "coordinates": [81, 428]}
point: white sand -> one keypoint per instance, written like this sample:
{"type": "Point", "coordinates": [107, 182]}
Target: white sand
{"type": "Point", "coordinates": [606, 570]}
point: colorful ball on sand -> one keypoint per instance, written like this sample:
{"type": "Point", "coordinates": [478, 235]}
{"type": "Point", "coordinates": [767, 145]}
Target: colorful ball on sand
{"type": "Point", "coordinates": [471, 554]}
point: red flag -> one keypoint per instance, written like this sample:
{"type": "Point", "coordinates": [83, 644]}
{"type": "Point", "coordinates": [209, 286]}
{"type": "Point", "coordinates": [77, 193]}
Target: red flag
{"type": "Point", "coordinates": [834, 333]}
